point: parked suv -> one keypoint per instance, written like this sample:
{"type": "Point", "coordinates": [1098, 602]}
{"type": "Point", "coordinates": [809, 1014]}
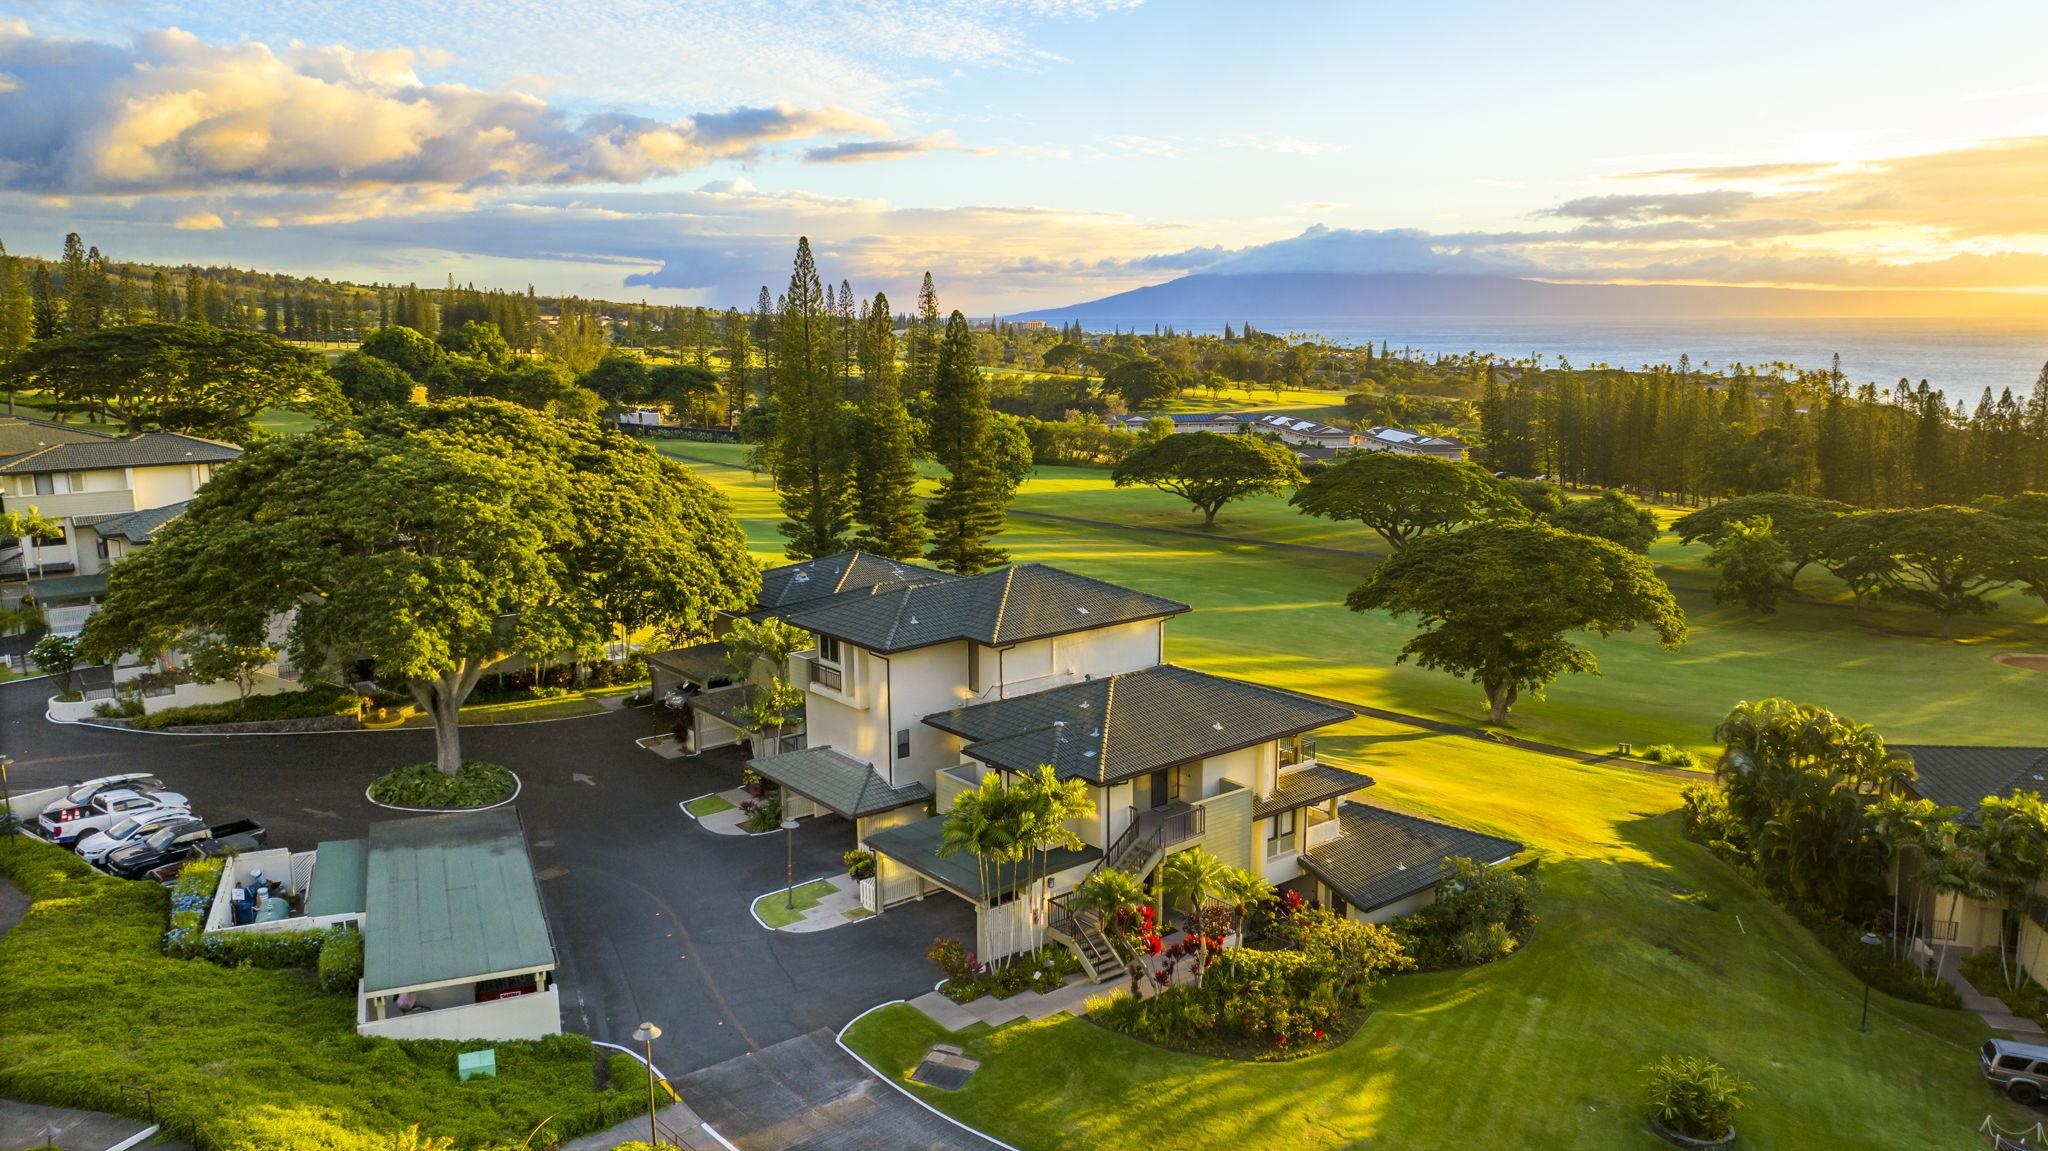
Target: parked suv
{"type": "Point", "coordinates": [2020, 1069]}
{"type": "Point", "coordinates": [94, 848]}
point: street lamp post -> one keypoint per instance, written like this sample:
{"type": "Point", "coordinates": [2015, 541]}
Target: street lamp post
{"type": "Point", "coordinates": [789, 866]}
{"type": "Point", "coordinates": [1870, 939]}
{"type": "Point", "coordinates": [647, 1033]}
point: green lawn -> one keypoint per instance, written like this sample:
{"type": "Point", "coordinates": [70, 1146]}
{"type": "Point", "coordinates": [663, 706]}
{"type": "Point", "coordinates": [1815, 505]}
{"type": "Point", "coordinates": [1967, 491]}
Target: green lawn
{"type": "Point", "coordinates": [705, 805]}
{"type": "Point", "coordinates": [1276, 614]}
{"type": "Point", "coordinates": [1647, 945]}
{"type": "Point", "coordinates": [530, 710]}
{"type": "Point", "coordinates": [773, 908]}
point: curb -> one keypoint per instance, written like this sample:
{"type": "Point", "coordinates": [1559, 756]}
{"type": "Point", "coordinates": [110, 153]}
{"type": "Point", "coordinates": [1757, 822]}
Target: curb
{"type": "Point", "coordinates": [518, 785]}
{"type": "Point", "coordinates": [840, 1039]}
{"type": "Point", "coordinates": [642, 1061]}
{"type": "Point", "coordinates": [793, 887]}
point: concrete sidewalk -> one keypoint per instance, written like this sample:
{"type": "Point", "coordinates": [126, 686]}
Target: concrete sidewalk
{"type": "Point", "coordinates": [24, 1124]}
{"type": "Point", "coordinates": [1071, 999]}
{"type": "Point", "coordinates": [1995, 1013]}
{"type": "Point", "coordinates": [678, 1122]}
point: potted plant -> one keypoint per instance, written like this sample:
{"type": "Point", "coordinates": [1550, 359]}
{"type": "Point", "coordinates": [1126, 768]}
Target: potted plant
{"type": "Point", "coordinates": [860, 867]}
{"type": "Point", "coordinates": [1693, 1101]}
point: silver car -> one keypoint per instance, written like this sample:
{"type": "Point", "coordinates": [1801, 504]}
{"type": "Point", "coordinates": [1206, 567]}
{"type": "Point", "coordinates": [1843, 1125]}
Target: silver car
{"type": "Point", "coordinates": [2019, 1069]}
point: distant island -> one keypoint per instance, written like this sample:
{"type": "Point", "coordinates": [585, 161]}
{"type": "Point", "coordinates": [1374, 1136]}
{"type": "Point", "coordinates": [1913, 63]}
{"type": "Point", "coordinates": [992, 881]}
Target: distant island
{"type": "Point", "coordinates": [1287, 297]}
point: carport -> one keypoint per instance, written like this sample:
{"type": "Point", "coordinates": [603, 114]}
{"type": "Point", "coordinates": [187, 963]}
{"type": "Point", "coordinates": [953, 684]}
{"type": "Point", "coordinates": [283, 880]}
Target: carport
{"type": "Point", "coordinates": [823, 779]}
{"type": "Point", "coordinates": [909, 857]}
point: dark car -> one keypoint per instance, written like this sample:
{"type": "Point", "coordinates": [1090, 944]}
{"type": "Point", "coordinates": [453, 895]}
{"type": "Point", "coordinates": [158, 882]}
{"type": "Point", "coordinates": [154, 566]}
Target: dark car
{"type": "Point", "coordinates": [179, 841]}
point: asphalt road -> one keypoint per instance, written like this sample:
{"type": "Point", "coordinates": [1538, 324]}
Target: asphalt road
{"type": "Point", "coordinates": [649, 912]}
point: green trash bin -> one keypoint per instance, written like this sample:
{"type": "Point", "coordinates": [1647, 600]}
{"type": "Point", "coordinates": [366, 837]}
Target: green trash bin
{"type": "Point", "coordinates": [470, 1063]}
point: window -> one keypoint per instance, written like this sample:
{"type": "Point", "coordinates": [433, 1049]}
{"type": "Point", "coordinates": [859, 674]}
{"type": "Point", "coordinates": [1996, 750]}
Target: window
{"type": "Point", "coordinates": [46, 485]}
{"type": "Point", "coordinates": [903, 743]}
{"type": "Point", "coordinates": [100, 545]}
{"type": "Point", "coordinates": [77, 481]}
{"type": "Point", "coordinates": [828, 648]}
{"type": "Point", "coordinates": [1283, 826]}
{"type": "Point", "coordinates": [2013, 1062]}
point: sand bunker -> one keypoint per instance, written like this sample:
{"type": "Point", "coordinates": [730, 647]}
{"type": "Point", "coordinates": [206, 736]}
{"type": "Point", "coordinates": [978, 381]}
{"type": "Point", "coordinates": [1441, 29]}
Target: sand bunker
{"type": "Point", "coordinates": [2031, 661]}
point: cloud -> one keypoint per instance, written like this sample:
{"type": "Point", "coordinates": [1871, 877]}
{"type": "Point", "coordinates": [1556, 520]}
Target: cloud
{"type": "Point", "coordinates": [1720, 203]}
{"type": "Point", "coordinates": [173, 114]}
{"type": "Point", "coordinates": [1285, 145]}
{"type": "Point", "coordinates": [863, 151]}
{"type": "Point", "coordinates": [199, 222]}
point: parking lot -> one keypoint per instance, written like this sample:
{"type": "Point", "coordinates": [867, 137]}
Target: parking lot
{"type": "Point", "coordinates": [649, 913]}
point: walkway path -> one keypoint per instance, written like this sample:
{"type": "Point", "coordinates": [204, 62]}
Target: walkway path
{"type": "Point", "coordinates": [1023, 1005]}
{"type": "Point", "coordinates": [1995, 1013]}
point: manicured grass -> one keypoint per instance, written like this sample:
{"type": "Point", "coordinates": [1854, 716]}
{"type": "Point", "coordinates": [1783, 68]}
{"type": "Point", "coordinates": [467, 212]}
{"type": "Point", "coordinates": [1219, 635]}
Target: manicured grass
{"type": "Point", "coordinates": [262, 1058]}
{"type": "Point", "coordinates": [1276, 614]}
{"type": "Point", "coordinates": [1647, 945]}
{"type": "Point", "coordinates": [705, 805]}
{"type": "Point", "coordinates": [474, 784]}
{"type": "Point", "coordinates": [773, 910]}
{"type": "Point", "coordinates": [529, 710]}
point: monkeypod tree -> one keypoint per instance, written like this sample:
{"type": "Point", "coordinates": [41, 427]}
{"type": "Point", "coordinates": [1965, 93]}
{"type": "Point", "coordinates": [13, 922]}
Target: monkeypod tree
{"type": "Point", "coordinates": [1404, 498]}
{"type": "Point", "coordinates": [1497, 601]}
{"type": "Point", "coordinates": [1210, 470]}
{"type": "Point", "coordinates": [435, 541]}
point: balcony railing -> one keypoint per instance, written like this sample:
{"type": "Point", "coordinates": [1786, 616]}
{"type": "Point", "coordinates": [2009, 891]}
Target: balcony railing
{"type": "Point", "coordinates": [828, 677]}
{"type": "Point", "coordinates": [1299, 752]}
{"type": "Point", "coordinates": [1322, 828]}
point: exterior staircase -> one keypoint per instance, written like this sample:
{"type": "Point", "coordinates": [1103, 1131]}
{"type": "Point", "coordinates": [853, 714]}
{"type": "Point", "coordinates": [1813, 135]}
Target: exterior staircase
{"type": "Point", "coordinates": [1081, 932]}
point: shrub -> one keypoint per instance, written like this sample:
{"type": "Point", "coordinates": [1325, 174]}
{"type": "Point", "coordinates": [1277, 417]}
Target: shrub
{"type": "Point", "coordinates": [860, 864]}
{"type": "Point", "coordinates": [763, 814]}
{"type": "Point", "coordinates": [266, 949]}
{"type": "Point", "coordinates": [316, 702]}
{"type": "Point", "coordinates": [341, 960]}
{"type": "Point", "coordinates": [126, 707]}
{"type": "Point", "coordinates": [1693, 1096]}
{"type": "Point", "coordinates": [1045, 969]}
{"type": "Point", "coordinates": [953, 959]}
{"type": "Point", "coordinates": [475, 784]}
{"type": "Point", "coordinates": [1668, 754]}
{"type": "Point", "coordinates": [1480, 914]}
{"type": "Point", "coordinates": [1895, 976]}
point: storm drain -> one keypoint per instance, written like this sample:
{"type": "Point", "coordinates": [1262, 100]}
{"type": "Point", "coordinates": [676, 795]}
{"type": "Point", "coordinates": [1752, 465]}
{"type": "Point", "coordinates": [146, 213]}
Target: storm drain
{"type": "Point", "coordinates": [945, 1068]}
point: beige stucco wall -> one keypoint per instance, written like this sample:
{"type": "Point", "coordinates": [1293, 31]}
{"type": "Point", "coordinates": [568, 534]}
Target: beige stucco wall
{"type": "Point", "coordinates": [1394, 910]}
{"type": "Point", "coordinates": [1228, 827]}
{"type": "Point", "coordinates": [155, 487]}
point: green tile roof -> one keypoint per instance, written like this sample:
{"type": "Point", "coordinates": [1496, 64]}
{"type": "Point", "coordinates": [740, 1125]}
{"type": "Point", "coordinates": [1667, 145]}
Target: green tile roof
{"type": "Point", "coordinates": [340, 875]}
{"type": "Point", "coordinates": [1006, 606]}
{"type": "Point", "coordinates": [22, 434]}
{"type": "Point", "coordinates": [135, 527]}
{"type": "Point", "coordinates": [151, 449]}
{"type": "Point", "coordinates": [916, 846]}
{"type": "Point", "coordinates": [1310, 783]}
{"type": "Point", "coordinates": [1383, 856]}
{"type": "Point", "coordinates": [1961, 777]}
{"type": "Point", "coordinates": [1119, 726]}
{"type": "Point", "coordinates": [450, 898]}
{"type": "Point", "coordinates": [699, 664]}
{"type": "Point", "coordinates": [845, 785]}
{"type": "Point", "coordinates": [68, 587]}
{"type": "Point", "coordinates": [789, 586]}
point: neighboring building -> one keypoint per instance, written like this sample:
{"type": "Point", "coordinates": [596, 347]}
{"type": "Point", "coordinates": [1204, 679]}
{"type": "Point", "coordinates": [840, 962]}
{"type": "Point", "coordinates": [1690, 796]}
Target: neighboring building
{"type": "Point", "coordinates": [1305, 433]}
{"type": "Point", "coordinates": [1292, 430]}
{"type": "Point", "coordinates": [921, 683]}
{"type": "Point", "coordinates": [1407, 443]}
{"type": "Point", "coordinates": [110, 494]}
{"type": "Point", "coordinates": [1963, 777]}
{"type": "Point", "coordinates": [1220, 422]}
{"type": "Point", "coordinates": [455, 943]}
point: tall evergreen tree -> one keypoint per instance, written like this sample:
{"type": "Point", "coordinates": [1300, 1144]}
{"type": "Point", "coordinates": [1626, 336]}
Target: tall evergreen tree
{"type": "Point", "coordinates": [968, 511]}
{"type": "Point", "coordinates": [17, 316]}
{"type": "Point", "coordinates": [810, 457]}
{"type": "Point", "coordinates": [885, 467]}
{"type": "Point", "coordinates": [923, 353]}
{"type": "Point", "coordinates": [46, 315]}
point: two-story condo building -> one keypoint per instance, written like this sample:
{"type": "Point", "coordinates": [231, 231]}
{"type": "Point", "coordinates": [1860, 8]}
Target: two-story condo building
{"type": "Point", "coordinates": [921, 683]}
{"type": "Point", "coordinates": [110, 494]}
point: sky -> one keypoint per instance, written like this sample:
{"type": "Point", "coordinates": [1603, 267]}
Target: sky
{"type": "Point", "coordinates": [1032, 153]}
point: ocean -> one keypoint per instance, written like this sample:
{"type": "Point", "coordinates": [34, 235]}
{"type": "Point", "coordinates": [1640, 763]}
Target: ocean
{"type": "Point", "coordinates": [1959, 357]}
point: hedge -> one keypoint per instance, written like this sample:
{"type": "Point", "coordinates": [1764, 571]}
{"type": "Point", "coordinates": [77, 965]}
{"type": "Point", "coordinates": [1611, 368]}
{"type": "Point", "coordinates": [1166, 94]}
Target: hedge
{"type": "Point", "coordinates": [242, 1057]}
{"type": "Point", "coordinates": [314, 702]}
{"type": "Point", "coordinates": [475, 784]}
{"type": "Point", "coordinates": [341, 960]}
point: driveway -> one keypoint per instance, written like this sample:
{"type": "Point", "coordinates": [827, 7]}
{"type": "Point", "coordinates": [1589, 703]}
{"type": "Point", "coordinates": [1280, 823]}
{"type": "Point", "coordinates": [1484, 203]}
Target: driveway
{"type": "Point", "coordinates": [649, 913]}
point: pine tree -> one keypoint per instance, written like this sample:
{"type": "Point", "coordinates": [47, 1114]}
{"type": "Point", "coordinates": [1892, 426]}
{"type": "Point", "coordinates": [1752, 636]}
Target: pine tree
{"type": "Point", "coordinates": [46, 316]}
{"type": "Point", "coordinates": [76, 278]}
{"type": "Point", "coordinates": [885, 467]}
{"type": "Point", "coordinates": [968, 511]}
{"type": "Point", "coordinates": [923, 353]}
{"type": "Point", "coordinates": [17, 317]}
{"type": "Point", "coordinates": [810, 457]}
{"type": "Point", "coordinates": [739, 358]}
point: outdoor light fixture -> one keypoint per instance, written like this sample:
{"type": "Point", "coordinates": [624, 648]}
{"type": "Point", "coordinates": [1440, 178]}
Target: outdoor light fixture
{"type": "Point", "coordinates": [789, 873]}
{"type": "Point", "coordinates": [646, 1034]}
{"type": "Point", "coordinates": [1870, 939]}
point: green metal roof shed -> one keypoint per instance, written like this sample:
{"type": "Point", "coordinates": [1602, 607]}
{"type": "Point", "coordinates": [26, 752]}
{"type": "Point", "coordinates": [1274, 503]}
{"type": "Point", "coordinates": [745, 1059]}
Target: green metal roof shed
{"type": "Point", "coordinates": [340, 869]}
{"type": "Point", "coordinates": [451, 899]}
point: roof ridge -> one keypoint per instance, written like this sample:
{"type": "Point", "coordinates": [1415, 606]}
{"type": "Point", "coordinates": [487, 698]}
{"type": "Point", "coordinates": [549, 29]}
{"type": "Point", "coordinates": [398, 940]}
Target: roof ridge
{"type": "Point", "coordinates": [1102, 745]}
{"type": "Point", "coordinates": [995, 631]}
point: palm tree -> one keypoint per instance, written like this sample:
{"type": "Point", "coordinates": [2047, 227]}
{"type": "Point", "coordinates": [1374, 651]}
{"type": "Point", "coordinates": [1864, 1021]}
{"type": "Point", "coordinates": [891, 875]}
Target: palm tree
{"type": "Point", "coordinates": [1957, 872]}
{"type": "Point", "coordinates": [1240, 889]}
{"type": "Point", "coordinates": [1108, 892]}
{"type": "Point", "coordinates": [1901, 825]}
{"type": "Point", "coordinates": [1047, 805]}
{"type": "Point", "coordinates": [984, 822]}
{"type": "Point", "coordinates": [1188, 878]}
{"type": "Point", "coordinates": [2014, 844]}
{"type": "Point", "coordinates": [28, 525]}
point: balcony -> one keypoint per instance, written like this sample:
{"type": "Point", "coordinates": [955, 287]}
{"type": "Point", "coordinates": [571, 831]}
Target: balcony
{"type": "Point", "coordinates": [830, 678]}
{"type": "Point", "coordinates": [1173, 824]}
{"type": "Point", "coordinates": [1296, 753]}
{"type": "Point", "coordinates": [1321, 828]}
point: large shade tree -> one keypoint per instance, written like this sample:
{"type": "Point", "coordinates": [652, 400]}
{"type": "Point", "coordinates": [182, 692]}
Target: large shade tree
{"type": "Point", "coordinates": [1498, 600]}
{"type": "Point", "coordinates": [1951, 560]}
{"type": "Point", "coordinates": [191, 378]}
{"type": "Point", "coordinates": [1404, 498]}
{"type": "Point", "coordinates": [435, 542]}
{"type": "Point", "coordinates": [1210, 470]}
